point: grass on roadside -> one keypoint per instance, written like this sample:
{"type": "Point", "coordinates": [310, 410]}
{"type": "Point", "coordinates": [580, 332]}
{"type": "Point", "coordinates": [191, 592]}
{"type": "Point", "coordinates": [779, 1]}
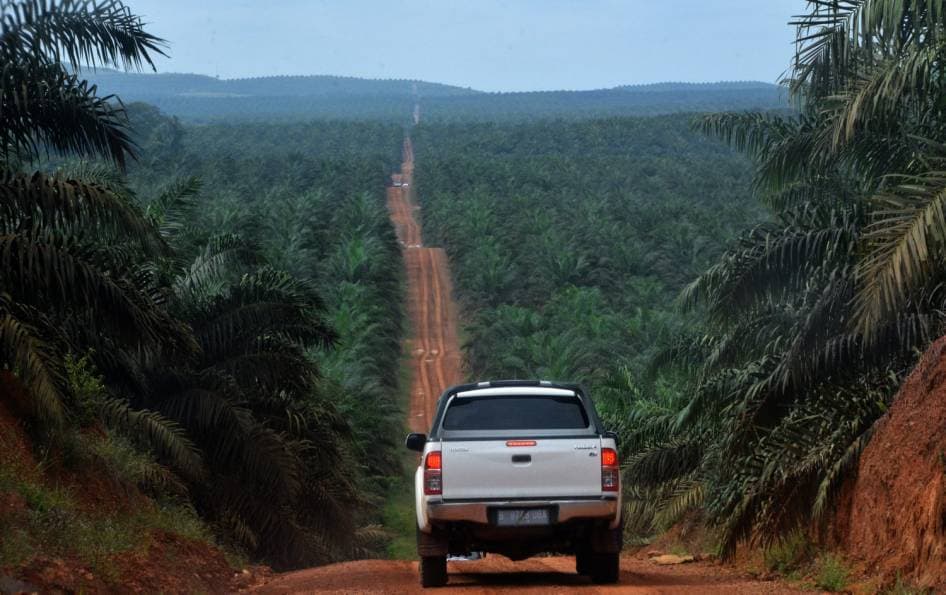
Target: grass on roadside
{"type": "Point", "coordinates": [787, 556]}
{"type": "Point", "coordinates": [398, 515]}
{"type": "Point", "coordinates": [902, 587]}
{"type": "Point", "coordinates": [43, 517]}
{"type": "Point", "coordinates": [797, 559]}
{"type": "Point", "coordinates": [831, 573]}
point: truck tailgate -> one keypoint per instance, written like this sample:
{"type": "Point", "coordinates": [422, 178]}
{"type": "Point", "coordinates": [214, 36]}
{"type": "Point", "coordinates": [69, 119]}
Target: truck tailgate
{"type": "Point", "coordinates": [496, 469]}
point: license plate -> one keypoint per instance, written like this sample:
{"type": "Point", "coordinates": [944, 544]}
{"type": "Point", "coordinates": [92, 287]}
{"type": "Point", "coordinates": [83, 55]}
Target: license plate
{"type": "Point", "coordinates": [522, 517]}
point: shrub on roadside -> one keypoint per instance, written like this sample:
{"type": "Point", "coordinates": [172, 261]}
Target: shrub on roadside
{"type": "Point", "coordinates": [902, 587]}
{"type": "Point", "coordinates": [53, 523]}
{"type": "Point", "coordinates": [831, 573]}
{"type": "Point", "coordinates": [788, 554]}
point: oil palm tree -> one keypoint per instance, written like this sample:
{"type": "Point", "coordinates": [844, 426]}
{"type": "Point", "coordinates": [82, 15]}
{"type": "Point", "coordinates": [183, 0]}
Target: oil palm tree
{"type": "Point", "coordinates": [208, 354]}
{"type": "Point", "coordinates": [42, 106]}
{"type": "Point", "coordinates": [54, 277]}
{"type": "Point", "coordinates": [872, 68]}
{"type": "Point", "coordinates": [70, 283]}
{"type": "Point", "coordinates": [205, 359]}
{"type": "Point", "coordinates": [47, 107]}
{"type": "Point", "coordinates": [248, 399]}
{"type": "Point", "coordinates": [275, 447]}
{"type": "Point", "coordinates": [814, 317]}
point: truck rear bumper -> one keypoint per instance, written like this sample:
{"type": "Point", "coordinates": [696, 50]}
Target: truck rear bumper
{"type": "Point", "coordinates": [566, 510]}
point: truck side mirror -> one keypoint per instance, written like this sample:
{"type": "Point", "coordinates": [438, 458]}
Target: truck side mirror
{"type": "Point", "coordinates": [416, 441]}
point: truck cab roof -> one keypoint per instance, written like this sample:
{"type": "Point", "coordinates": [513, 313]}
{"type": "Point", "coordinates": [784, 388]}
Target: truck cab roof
{"type": "Point", "coordinates": [512, 384]}
{"type": "Point", "coordinates": [510, 388]}
{"type": "Point", "coordinates": [496, 391]}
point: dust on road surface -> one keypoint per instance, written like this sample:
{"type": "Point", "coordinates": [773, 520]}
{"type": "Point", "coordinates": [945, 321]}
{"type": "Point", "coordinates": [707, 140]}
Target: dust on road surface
{"type": "Point", "coordinates": [496, 574]}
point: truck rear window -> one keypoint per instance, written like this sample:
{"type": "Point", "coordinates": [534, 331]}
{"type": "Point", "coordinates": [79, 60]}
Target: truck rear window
{"type": "Point", "coordinates": [515, 413]}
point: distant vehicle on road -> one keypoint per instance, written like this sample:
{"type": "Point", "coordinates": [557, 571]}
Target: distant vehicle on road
{"type": "Point", "coordinates": [398, 184]}
{"type": "Point", "coordinates": [518, 468]}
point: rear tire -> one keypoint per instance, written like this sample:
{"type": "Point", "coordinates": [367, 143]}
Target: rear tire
{"type": "Point", "coordinates": [433, 571]}
{"type": "Point", "coordinates": [605, 568]}
{"type": "Point", "coordinates": [583, 563]}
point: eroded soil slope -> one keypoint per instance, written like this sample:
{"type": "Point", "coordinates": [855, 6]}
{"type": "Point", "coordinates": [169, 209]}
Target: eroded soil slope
{"type": "Point", "coordinates": [59, 527]}
{"type": "Point", "coordinates": [893, 514]}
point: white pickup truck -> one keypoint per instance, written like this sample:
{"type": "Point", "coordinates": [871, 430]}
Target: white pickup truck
{"type": "Point", "coordinates": [518, 468]}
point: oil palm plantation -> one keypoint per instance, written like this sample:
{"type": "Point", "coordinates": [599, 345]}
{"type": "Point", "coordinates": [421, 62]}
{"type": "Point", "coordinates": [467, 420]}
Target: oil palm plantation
{"type": "Point", "coordinates": [56, 274]}
{"type": "Point", "coordinates": [814, 317]}
{"type": "Point", "coordinates": [204, 349]}
{"type": "Point", "coordinates": [275, 449]}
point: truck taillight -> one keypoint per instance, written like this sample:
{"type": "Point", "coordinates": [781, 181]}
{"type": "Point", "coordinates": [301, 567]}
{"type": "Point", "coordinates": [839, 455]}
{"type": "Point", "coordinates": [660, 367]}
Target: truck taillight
{"type": "Point", "coordinates": [514, 443]}
{"type": "Point", "coordinates": [610, 470]}
{"type": "Point", "coordinates": [433, 477]}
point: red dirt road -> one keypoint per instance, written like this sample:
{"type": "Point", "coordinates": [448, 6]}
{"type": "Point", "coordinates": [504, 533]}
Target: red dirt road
{"type": "Point", "coordinates": [436, 365]}
{"type": "Point", "coordinates": [433, 344]}
{"type": "Point", "coordinates": [496, 574]}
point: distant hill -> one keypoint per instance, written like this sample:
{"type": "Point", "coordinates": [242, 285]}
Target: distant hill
{"type": "Point", "coordinates": [681, 86]}
{"type": "Point", "coordinates": [201, 98]}
{"type": "Point", "coordinates": [142, 86]}
{"type": "Point", "coordinates": [637, 100]}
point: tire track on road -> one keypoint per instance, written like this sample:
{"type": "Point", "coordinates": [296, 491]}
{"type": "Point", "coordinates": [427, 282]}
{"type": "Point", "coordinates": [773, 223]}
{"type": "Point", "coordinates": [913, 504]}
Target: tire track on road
{"type": "Point", "coordinates": [433, 343]}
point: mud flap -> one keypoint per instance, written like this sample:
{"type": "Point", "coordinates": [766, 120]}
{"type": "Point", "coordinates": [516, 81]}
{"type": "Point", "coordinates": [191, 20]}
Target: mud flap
{"type": "Point", "coordinates": [607, 541]}
{"type": "Point", "coordinates": [431, 544]}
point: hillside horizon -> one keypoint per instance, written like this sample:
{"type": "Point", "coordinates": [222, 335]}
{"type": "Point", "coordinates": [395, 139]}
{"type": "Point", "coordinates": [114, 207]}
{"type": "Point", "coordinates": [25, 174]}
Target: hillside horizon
{"type": "Point", "coordinates": [202, 98]}
{"type": "Point", "coordinates": [206, 79]}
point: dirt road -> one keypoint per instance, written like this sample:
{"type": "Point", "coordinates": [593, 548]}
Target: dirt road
{"type": "Point", "coordinates": [436, 365]}
{"type": "Point", "coordinates": [496, 574]}
{"type": "Point", "coordinates": [433, 343]}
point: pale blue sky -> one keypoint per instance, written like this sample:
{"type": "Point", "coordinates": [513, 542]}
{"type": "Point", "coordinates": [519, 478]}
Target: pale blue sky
{"type": "Point", "coordinates": [492, 45]}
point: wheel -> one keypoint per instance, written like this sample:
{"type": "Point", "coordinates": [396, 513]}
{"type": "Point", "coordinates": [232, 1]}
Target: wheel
{"type": "Point", "coordinates": [583, 563]}
{"type": "Point", "coordinates": [433, 571]}
{"type": "Point", "coordinates": [605, 568]}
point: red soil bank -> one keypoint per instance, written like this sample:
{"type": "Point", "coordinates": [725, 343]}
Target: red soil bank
{"type": "Point", "coordinates": [892, 515]}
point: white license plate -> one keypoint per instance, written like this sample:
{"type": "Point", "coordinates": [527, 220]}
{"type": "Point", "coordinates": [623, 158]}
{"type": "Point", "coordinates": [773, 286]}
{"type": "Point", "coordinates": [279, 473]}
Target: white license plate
{"type": "Point", "coordinates": [522, 517]}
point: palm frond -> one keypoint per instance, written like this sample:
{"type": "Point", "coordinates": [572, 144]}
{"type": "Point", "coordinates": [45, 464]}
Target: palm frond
{"type": "Point", "coordinates": [175, 205]}
{"type": "Point", "coordinates": [221, 262]}
{"type": "Point", "coordinates": [82, 32]}
{"type": "Point", "coordinates": [664, 462]}
{"type": "Point", "coordinates": [905, 239]}
{"type": "Point", "coordinates": [235, 441]}
{"type": "Point", "coordinates": [30, 200]}
{"type": "Point", "coordinates": [164, 436]}
{"type": "Point", "coordinates": [35, 364]}
{"type": "Point", "coordinates": [45, 275]}
{"type": "Point", "coordinates": [824, 56]}
{"type": "Point", "coordinates": [748, 132]}
{"type": "Point", "coordinates": [685, 496]}
{"type": "Point", "coordinates": [65, 115]}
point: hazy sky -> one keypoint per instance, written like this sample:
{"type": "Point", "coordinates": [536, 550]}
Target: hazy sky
{"type": "Point", "coordinates": [485, 44]}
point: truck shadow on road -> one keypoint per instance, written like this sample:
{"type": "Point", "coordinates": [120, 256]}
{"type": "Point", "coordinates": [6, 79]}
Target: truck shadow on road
{"type": "Point", "coordinates": [465, 577]}
{"type": "Point", "coordinates": [517, 579]}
